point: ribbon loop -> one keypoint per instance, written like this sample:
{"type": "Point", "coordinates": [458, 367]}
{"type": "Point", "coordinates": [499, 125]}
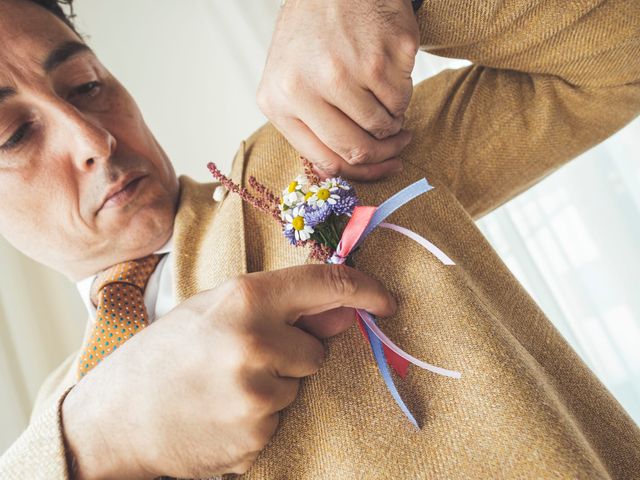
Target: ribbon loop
{"type": "Point", "coordinates": [363, 221]}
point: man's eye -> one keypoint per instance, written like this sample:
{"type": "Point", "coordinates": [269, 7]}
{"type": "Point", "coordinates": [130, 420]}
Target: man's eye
{"type": "Point", "coordinates": [17, 137]}
{"type": "Point", "coordinates": [90, 89]}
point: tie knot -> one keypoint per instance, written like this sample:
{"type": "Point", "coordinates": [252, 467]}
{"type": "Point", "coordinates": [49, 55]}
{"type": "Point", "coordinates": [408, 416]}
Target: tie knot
{"type": "Point", "coordinates": [132, 272]}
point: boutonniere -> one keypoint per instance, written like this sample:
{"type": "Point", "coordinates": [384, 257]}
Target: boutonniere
{"type": "Point", "coordinates": [326, 216]}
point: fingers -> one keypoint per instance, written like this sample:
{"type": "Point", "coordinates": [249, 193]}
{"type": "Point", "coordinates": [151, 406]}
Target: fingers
{"type": "Point", "coordinates": [312, 289]}
{"type": "Point", "coordinates": [297, 353]}
{"type": "Point", "coordinates": [367, 111]}
{"type": "Point", "coordinates": [365, 173]}
{"type": "Point", "coordinates": [327, 324]}
{"type": "Point", "coordinates": [266, 395]}
{"type": "Point", "coordinates": [305, 142]}
{"type": "Point", "coordinates": [329, 163]}
{"type": "Point", "coordinates": [392, 84]}
{"type": "Point", "coordinates": [338, 86]}
{"type": "Point", "coordinates": [394, 93]}
{"type": "Point", "coordinates": [346, 138]}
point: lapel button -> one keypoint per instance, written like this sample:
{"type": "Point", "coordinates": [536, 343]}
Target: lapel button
{"type": "Point", "coordinates": [219, 193]}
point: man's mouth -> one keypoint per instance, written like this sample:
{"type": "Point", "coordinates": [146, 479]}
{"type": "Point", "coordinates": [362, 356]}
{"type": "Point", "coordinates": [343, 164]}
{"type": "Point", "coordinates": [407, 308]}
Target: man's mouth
{"type": "Point", "coordinates": [123, 191]}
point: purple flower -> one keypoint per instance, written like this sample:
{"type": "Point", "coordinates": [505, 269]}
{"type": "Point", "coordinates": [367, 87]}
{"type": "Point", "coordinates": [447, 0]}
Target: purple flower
{"type": "Point", "coordinates": [317, 215]}
{"type": "Point", "coordinates": [290, 234]}
{"type": "Point", "coordinates": [342, 184]}
{"type": "Point", "coordinates": [346, 203]}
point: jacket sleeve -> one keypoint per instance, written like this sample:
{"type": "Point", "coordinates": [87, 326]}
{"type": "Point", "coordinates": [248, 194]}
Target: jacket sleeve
{"type": "Point", "coordinates": [39, 453]}
{"type": "Point", "coordinates": [548, 80]}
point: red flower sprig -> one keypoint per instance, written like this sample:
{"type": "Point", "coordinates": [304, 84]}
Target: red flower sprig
{"type": "Point", "coordinates": [264, 192]}
{"type": "Point", "coordinates": [267, 202]}
{"type": "Point", "coordinates": [308, 171]}
{"type": "Point", "coordinates": [320, 251]}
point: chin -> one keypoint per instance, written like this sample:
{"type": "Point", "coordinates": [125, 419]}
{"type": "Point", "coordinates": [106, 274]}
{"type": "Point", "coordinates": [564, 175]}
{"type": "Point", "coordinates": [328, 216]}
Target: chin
{"type": "Point", "coordinates": [137, 232]}
{"type": "Point", "coordinates": [148, 231]}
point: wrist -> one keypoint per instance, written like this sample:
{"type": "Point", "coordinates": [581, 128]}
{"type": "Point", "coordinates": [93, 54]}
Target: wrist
{"type": "Point", "coordinates": [90, 446]}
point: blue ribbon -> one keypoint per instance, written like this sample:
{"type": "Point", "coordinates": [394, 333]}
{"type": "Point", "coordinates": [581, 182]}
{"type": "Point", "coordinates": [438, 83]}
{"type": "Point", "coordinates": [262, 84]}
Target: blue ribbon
{"type": "Point", "coordinates": [393, 203]}
{"type": "Point", "coordinates": [382, 212]}
{"type": "Point", "coordinates": [381, 360]}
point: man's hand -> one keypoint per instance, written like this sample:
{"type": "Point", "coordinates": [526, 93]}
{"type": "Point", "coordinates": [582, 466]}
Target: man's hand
{"type": "Point", "coordinates": [198, 392]}
{"type": "Point", "coordinates": [337, 83]}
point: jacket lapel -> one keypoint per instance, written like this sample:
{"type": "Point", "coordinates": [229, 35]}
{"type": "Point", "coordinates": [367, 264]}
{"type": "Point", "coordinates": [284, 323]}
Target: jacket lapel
{"type": "Point", "coordinates": [209, 236]}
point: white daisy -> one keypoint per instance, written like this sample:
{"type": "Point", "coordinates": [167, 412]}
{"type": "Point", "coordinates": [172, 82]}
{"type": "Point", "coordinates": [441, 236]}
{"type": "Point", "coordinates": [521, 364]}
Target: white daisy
{"type": "Point", "coordinates": [294, 219]}
{"type": "Point", "coordinates": [337, 182]}
{"type": "Point", "coordinates": [327, 192]}
{"type": "Point", "coordinates": [294, 194]}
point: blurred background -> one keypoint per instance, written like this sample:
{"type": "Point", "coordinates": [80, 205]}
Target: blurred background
{"type": "Point", "coordinates": [572, 240]}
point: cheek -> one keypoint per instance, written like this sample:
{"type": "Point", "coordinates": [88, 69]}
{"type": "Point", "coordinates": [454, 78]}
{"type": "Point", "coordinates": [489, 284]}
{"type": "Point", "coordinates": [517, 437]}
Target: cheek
{"type": "Point", "coordinates": [22, 219]}
{"type": "Point", "coordinates": [34, 216]}
{"type": "Point", "coordinates": [126, 123]}
{"type": "Point", "coordinates": [139, 140]}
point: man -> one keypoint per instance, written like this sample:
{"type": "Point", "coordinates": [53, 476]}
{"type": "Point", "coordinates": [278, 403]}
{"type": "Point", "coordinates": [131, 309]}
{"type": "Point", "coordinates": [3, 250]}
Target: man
{"type": "Point", "coordinates": [526, 405]}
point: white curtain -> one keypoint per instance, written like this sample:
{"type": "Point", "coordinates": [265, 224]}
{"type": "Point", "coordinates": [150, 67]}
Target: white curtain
{"type": "Point", "coordinates": [572, 241]}
{"type": "Point", "coordinates": [194, 66]}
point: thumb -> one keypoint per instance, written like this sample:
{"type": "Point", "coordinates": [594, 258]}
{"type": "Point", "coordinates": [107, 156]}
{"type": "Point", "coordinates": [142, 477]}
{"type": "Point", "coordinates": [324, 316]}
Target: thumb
{"type": "Point", "coordinates": [314, 289]}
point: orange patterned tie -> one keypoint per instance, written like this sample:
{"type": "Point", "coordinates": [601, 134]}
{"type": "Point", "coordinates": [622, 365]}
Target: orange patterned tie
{"type": "Point", "coordinates": [118, 293]}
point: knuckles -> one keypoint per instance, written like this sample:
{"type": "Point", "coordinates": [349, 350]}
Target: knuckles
{"type": "Point", "coordinates": [263, 99]}
{"type": "Point", "coordinates": [376, 69]}
{"type": "Point", "coordinates": [241, 292]}
{"type": "Point", "coordinates": [255, 402]}
{"type": "Point", "coordinates": [400, 101]}
{"type": "Point", "coordinates": [359, 155]}
{"type": "Point", "coordinates": [275, 94]}
{"type": "Point", "coordinates": [407, 44]}
{"type": "Point", "coordinates": [258, 353]}
{"type": "Point", "coordinates": [254, 441]}
{"type": "Point", "coordinates": [386, 128]}
{"type": "Point", "coordinates": [335, 75]}
{"type": "Point", "coordinates": [290, 84]}
{"type": "Point", "coordinates": [329, 167]}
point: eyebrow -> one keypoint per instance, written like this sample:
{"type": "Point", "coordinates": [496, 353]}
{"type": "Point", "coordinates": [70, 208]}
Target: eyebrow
{"type": "Point", "coordinates": [57, 56]}
{"type": "Point", "coordinates": [6, 92]}
{"type": "Point", "coordinates": [62, 53]}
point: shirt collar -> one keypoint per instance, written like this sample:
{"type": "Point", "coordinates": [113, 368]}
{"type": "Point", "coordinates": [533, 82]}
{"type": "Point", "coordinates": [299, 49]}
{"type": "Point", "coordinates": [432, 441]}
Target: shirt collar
{"type": "Point", "coordinates": [84, 285]}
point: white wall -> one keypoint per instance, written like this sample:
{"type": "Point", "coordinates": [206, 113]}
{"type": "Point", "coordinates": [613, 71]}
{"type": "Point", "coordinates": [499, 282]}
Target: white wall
{"type": "Point", "coordinates": [192, 66]}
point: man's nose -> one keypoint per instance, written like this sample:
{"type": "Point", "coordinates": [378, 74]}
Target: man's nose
{"type": "Point", "coordinates": [90, 143]}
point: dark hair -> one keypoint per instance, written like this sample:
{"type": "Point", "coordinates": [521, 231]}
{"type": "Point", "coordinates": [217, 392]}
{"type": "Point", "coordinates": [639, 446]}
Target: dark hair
{"type": "Point", "coordinates": [56, 7]}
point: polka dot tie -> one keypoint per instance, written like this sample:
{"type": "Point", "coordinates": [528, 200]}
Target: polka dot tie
{"type": "Point", "coordinates": [118, 294]}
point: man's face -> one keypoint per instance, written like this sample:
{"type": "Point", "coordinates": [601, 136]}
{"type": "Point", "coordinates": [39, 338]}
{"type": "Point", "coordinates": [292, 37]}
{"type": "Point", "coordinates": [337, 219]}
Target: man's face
{"type": "Point", "coordinates": [83, 182]}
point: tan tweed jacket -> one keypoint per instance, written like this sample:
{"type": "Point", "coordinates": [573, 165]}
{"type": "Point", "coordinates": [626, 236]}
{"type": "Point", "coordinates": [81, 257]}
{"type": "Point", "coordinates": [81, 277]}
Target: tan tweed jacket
{"type": "Point", "coordinates": [550, 79]}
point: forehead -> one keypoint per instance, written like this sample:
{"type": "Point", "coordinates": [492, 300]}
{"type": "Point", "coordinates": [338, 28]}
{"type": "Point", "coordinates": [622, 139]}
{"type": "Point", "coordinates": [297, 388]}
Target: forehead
{"type": "Point", "coordinates": [28, 33]}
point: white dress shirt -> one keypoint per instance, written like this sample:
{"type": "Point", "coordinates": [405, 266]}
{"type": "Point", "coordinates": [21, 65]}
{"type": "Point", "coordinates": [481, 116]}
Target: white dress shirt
{"type": "Point", "coordinates": [159, 295]}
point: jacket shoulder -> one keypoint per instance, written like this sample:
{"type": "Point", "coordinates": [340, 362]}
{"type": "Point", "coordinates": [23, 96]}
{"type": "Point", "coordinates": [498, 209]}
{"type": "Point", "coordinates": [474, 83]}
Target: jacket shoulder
{"type": "Point", "coordinates": [270, 158]}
